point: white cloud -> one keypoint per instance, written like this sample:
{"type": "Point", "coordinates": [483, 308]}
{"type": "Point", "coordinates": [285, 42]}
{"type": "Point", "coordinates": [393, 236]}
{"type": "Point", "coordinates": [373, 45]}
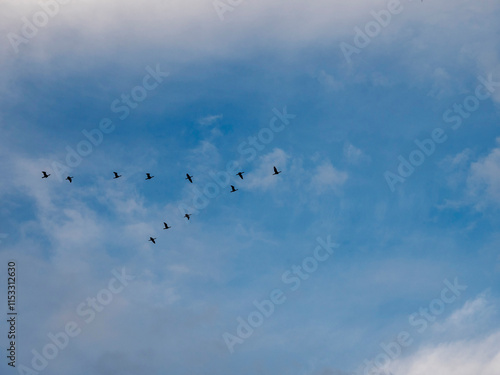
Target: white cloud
{"type": "Point", "coordinates": [205, 154]}
{"type": "Point", "coordinates": [478, 309]}
{"type": "Point", "coordinates": [354, 155]}
{"type": "Point", "coordinates": [459, 159]}
{"type": "Point", "coordinates": [456, 169]}
{"type": "Point", "coordinates": [442, 84]}
{"type": "Point", "coordinates": [329, 81]}
{"type": "Point", "coordinates": [479, 176]}
{"type": "Point", "coordinates": [262, 177]}
{"type": "Point", "coordinates": [93, 33]}
{"type": "Point", "coordinates": [484, 178]}
{"type": "Point", "coordinates": [194, 25]}
{"type": "Point", "coordinates": [478, 355]}
{"type": "Point", "coordinates": [326, 177]}
{"type": "Point", "coordinates": [466, 357]}
{"type": "Point", "coordinates": [209, 120]}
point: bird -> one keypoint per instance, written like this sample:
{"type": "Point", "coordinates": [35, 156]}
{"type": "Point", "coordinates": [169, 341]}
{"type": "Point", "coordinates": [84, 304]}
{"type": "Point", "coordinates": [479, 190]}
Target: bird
{"type": "Point", "coordinates": [45, 175]}
{"type": "Point", "coordinates": [190, 178]}
{"type": "Point", "coordinates": [187, 216]}
{"type": "Point", "coordinates": [276, 171]}
{"type": "Point", "coordinates": [166, 226]}
{"type": "Point", "coordinates": [148, 176]}
{"type": "Point", "coordinates": [117, 175]}
{"type": "Point", "coordinates": [233, 189]}
{"type": "Point", "coordinates": [152, 240]}
{"type": "Point", "coordinates": [70, 179]}
{"type": "Point", "coordinates": [240, 174]}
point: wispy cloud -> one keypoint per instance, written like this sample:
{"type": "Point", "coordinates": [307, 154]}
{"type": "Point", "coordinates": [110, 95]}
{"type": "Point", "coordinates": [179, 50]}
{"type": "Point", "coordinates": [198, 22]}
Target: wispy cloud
{"type": "Point", "coordinates": [326, 177]}
{"type": "Point", "coordinates": [210, 119]}
{"type": "Point", "coordinates": [354, 155]}
{"type": "Point", "coordinates": [476, 353]}
{"type": "Point", "coordinates": [261, 178]}
{"type": "Point", "coordinates": [472, 312]}
{"type": "Point", "coordinates": [329, 81]}
{"type": "Point", "coordinates": [484, 178]}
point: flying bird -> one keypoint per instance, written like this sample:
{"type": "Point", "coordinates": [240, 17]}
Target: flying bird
{"type": "Point", "coordinates": [117, 175]}
{"type": "Point", "coordinates": [240, 174]}
{"type": "Point", "coordinates": [166, 226]}
{"type": "Point", "coordinates": [276, 171]}
{"type": "Point", "coordinates": [148, 176]}
{"type": "Point", "coordinates": [233, 189]}
{"type": "Point", "coordinates": [45, 175]}
{"type": "Point", "coordinates": [152, 240]}
{"type": "Point", "coordinates": [190, 178]}
{"type": "Point", "coordinates": [70, 179]}
{"type": "Point", "coordinates": [187, 216]}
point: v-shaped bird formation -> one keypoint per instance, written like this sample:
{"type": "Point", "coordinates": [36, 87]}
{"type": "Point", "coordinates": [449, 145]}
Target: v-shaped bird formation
{"type": "Point", "coordinates": [149, 177]}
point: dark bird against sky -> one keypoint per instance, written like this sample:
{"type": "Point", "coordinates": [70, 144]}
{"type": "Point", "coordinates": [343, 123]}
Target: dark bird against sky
{"type": "Point", "coordinates": [70, 179]}
{"type": "Point", "coordinates": [117, 175]}
{"type": "Point", "coordinates": [190, 178]}
{"type": "Point", "coordinates": [152, 239]}
{"type": "Point", "coordinates": [240, 174]}
{"type": "Point", "coordinates": [148, 176]}
{"type": "Point", "coordinates": [45, 175]}
{"type": "Point", "coordinates": [276, 171]}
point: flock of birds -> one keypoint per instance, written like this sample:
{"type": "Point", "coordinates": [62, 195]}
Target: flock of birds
{"type": "Point", "coordinates": [149, 177]}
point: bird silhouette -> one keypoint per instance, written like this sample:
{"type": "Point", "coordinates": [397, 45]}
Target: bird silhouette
{"type": "Point", "coordinates": [45, 175]}
{"type": "Point", "coordinates": [187, 216]}
{"type": "Point", "coordinates": [148, 176]}
{"type": "Point", "coordinates": [276, 171]}
{"type": "Point", "coordinates": [166, 226]}
{"type": "Point", "coordinates": [233, 189]}
{"type": "Point", "coordinates": [70, 179]}
{"type": "Point", "coordinates": [152, 240]}
{"type": "Point", "coordinates": [240, 174]}
{"type": "Point", "coordinates": [117, 175]}
{"type": "Point", "coordinates": [190, 178]}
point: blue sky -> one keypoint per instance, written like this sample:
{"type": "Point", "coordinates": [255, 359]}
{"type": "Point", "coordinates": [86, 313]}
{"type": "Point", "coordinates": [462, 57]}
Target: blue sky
{"type": "Point", "coordinates": [225, 79]}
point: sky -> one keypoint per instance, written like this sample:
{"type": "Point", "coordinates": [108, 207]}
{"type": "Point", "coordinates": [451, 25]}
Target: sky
{"type": "Point", "coordinates": [374, 251]}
